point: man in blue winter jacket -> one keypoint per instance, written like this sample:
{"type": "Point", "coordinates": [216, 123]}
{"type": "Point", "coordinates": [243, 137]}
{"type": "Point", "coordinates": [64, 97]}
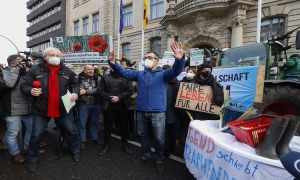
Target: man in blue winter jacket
{"type": "Point", "coordinates": [152, 101]}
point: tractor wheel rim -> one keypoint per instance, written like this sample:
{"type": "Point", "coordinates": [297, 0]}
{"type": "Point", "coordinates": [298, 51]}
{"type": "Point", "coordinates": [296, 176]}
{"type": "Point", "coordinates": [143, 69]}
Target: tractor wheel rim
{"type": "Point", "coordinates": [281, 108]}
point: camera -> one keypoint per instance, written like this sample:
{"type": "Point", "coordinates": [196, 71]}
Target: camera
{"type": "Point", "coordinates": [27, 61]}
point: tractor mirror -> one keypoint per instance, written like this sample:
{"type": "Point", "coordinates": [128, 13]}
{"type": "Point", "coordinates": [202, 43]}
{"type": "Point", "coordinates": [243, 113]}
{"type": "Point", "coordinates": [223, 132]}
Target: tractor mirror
{"type": "Point", "coordinates": [298, 40]}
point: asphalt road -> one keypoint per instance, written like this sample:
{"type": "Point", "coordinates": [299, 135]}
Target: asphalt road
{"type": "Point", "coordinates": [115, 165]}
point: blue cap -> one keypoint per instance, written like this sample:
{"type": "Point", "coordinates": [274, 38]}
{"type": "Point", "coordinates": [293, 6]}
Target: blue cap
{"type": "Point", "coordinates": [291, 162]}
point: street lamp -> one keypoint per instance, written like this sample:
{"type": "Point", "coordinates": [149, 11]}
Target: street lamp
{"type": "Point", "coordinates": [11, 42]}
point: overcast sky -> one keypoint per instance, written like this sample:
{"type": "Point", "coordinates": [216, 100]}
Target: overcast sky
{"type": "Point", "coordinates": [13, 15]}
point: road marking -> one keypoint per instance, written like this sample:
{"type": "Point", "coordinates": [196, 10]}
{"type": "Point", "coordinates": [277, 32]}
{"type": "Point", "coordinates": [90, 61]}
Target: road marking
{"type": "Point", "coordinates": [152, 149]}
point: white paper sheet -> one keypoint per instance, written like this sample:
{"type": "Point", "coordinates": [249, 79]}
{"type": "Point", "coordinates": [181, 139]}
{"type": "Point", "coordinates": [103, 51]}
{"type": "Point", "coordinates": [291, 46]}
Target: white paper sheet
{"type": "Point", "coordinates": [67, 101]}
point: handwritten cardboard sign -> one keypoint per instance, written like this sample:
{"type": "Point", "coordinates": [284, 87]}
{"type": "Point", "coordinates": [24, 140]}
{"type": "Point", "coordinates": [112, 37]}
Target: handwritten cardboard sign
{"type": "Point", "coordinates": [197, 98]}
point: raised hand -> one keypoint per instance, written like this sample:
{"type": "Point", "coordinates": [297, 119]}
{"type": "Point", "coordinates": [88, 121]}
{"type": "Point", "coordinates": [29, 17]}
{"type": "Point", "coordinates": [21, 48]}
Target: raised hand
{"type": "Point", "coordinates": [177, 50]}
{"type": "Point", "coordinates": [112, 58]}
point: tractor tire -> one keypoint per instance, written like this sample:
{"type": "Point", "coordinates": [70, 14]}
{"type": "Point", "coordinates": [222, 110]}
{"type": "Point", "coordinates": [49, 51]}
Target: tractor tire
{"type": "Point", "coordinates": [281, 99]}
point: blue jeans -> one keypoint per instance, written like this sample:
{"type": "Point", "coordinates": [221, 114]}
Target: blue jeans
{"type": "Point", "coordinates": [157, 121]}
{"type": "Point", "coordinates": [83, 113]}
{"type": "Point", "coordinates": [13, 124]}
{"type": "Point", "coordinates": [66, 121]}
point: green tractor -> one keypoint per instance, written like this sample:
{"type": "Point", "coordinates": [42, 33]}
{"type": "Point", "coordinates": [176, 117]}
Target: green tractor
{"type": "Point", "coordinates": [279, 96]}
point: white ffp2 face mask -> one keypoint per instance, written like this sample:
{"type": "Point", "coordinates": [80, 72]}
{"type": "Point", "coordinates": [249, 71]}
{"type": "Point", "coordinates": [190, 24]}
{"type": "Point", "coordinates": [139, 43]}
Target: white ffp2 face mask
{"type": "Point", "coordinates": [54, 61]}
{"type": "Point", "coordinates": [148, 63]}
{"type": "Point", "coordinates": [189, 75]}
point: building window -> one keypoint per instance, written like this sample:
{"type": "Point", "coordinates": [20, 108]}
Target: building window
{"type": "Point", "coordinates": [76, 2]}
{"type": "Point", "coordinates": [127, 18]}
{"type": "Point", "coordinates": [85, 26]}
{"type": "Point", "coordinates": [76, 28]}
{"type": "Point", "coordinates": [271, 27]}
{"type": "Point", "coordinates": [155, 45]}
{"type": "Point", "coordinates": [95, 22]}
{"type": "Point", "coordinates": [157, 8]}
{"type": "Point", "coordinates": [59, 7]}
{"type": "Point", "coordinates": [126, 50]}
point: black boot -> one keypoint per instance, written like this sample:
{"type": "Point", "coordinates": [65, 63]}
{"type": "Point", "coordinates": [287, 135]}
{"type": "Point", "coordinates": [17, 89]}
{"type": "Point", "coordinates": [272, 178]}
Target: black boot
{"type": "Point", "coordinates": [268, 146]}
{"type": "Point", "coordinates": [104, 149]}
{"type": "Point", "coordinates": [126, 149]}
{"type": "Point", "coordinates": [283, 145]}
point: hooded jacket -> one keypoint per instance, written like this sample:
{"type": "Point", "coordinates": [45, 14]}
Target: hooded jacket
{"type": "Point", "coordinates": [12, 100]}
{"type": "Point", "coordinates": [152, 85]}
{"type": "Point", "coordinates": [114, 85]}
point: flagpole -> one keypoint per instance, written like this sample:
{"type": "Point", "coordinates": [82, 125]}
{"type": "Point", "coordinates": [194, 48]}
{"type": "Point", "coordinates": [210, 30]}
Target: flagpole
{"type": "Point", "coordinates": [142, 51]}
{"type": "Point", "coordinates": [258, 24]}
{"type": "Point", "coordinates": [119, 46]}
{"type": "Point", "coordinates": [120, 26]}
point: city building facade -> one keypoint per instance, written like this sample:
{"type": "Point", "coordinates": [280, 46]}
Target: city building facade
{"type": "Point", "coordinates": [195, 24]}
{"type": "Point", "coordinates": [47, 19]}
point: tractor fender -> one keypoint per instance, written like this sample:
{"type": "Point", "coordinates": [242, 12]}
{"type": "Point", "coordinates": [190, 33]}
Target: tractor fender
{"type": "Point", "coordinates": [281, 97]}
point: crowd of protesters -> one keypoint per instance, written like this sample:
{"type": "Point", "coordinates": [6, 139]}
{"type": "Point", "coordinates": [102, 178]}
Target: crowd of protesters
{"type": "Point", "coordinates": [32, 97]}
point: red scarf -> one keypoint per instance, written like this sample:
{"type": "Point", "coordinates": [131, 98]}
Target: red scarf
{"type": "Point", "coordinates": [53, 92]}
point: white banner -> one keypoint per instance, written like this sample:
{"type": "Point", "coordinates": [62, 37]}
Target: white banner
{"type": "Point", "coordinates": [215, 155]}
{"type": "Point", "coordinates": [87, 56]}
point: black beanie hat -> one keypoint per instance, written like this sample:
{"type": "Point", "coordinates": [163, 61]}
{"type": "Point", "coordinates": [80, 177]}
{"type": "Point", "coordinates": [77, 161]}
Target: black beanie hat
{"type": "Point", "coordinates": [202, 66]}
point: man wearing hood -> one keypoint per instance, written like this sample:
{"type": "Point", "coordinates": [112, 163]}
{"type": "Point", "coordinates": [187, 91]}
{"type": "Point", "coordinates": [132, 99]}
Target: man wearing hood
{"type": "Point", "coordinates": [152, 101]}
{"type": "Point", "coordinates": [54, 79]}
{"type": "Point", "coordinates": [114, 92]}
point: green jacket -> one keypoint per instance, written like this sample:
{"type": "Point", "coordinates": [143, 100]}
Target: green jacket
{"type": "Point", "coordinates": [292, 68]}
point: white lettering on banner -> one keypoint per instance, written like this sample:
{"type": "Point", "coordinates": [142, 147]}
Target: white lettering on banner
{"type": "Point", "coordinates": [216, 164]}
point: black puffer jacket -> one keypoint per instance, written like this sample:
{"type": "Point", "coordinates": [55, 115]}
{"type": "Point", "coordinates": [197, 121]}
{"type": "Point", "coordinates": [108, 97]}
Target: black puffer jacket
{"type": "Point", "coordinates": [114, 85]}
{"type": "Point", "coordinates": [41, 73]}
{"type": "Point", "coordinates": [13, 102]}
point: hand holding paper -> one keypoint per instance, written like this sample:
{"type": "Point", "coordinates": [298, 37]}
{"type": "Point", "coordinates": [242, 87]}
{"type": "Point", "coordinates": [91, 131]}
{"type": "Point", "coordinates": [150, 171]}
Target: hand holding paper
{"type": "Point", "coordinates": [69, 100]}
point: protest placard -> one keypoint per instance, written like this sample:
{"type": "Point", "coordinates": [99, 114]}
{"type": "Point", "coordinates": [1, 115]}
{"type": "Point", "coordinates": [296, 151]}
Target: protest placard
{"type": "Point", "coordinates": [197, 98]}
{"type": "Point", "coordinates": [196, 57]}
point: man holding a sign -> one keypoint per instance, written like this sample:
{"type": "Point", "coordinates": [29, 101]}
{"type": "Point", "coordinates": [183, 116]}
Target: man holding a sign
{"type": "Point", "coordinates": [152, 101]}
{"type": "Point", "coordinates": [203, 97]}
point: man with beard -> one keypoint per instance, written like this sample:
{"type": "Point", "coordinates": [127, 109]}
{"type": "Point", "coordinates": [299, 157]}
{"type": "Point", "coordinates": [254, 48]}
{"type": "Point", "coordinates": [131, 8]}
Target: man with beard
{"type": "Point", "coordinates": [54, 79]}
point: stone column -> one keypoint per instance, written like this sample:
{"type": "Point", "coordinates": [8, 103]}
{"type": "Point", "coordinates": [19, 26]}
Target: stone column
{"type": "Point", "coordinates": [237, 36]}
{"type": "Point", "coordinates": [171, 38]}
{"type": "Point", "coordinates": [237, 32]}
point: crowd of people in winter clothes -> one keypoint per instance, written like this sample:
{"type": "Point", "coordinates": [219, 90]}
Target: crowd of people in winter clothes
{"type": "Point", "coordinates": [32, 97]}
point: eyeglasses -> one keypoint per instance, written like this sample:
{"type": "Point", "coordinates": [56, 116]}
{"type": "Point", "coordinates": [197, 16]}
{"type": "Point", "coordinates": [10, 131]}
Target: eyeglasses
{"type": "Point", "coordinates": [149, 57]}
{"type": "Point", "coordinates": [53, 55]}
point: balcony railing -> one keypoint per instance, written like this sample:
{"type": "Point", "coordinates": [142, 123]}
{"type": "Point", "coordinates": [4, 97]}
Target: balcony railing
{"type": "Point", "coordinates": [187, 4]}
